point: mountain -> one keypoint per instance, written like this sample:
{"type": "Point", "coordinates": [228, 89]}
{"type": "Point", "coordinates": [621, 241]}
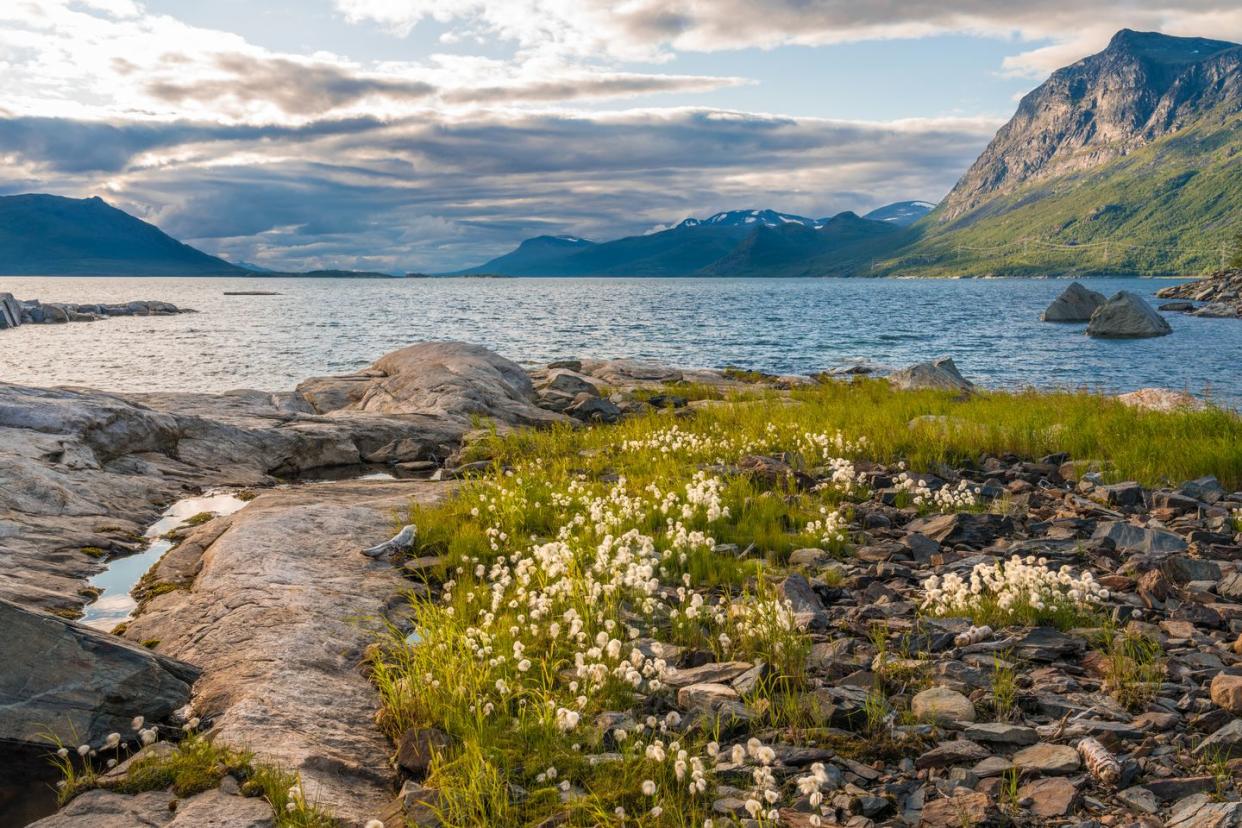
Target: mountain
{"type": "Point", "coordinates": [841, 245]}
{"type": "Point", "coordinates": [1125, 162]}
{"type": "Point", "coordinates": [752, 218]}
{"type": "Point", "coordinates": [901, 214]}
{"type": "Point", "coordinates": [732, 243]}
{"type": "Point", "coordinates": [534, 257]}
{"type": "Point", "coordinates": [51, 235]}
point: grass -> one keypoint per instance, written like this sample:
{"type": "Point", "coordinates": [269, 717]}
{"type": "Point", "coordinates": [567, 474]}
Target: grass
{"type": "Point", "coordinates": [1004, 687]}
{"type": "Point", "coordinates": [577, 545]}
{"type": "Point", "coordinates": [199, 519]}
{"type": "Point", "coordinates": [1134, 667]}
{"type": "Point", "coordinates": [194, 765]}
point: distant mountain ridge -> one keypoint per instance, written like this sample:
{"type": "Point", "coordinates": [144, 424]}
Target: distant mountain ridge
{"type": "Point", "coordinates": [52, 235]}
{"type": "Point", "coordinates": [731, 243]}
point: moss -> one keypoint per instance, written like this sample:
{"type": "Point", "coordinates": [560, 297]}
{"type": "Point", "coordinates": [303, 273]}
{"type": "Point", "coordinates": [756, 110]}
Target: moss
{"type": "Point", "coordinates": [748, 375]}
{"type": "Point", "coordinates": [246, 495]}
{"type": "Point", "coordinates": [151, 643]}
{"type": "Point", "coordinates": [70, 613]}
{"type": "Point", "coordinates": [94, 552]}
{"type": "Point", "coordinates": [199, 519]}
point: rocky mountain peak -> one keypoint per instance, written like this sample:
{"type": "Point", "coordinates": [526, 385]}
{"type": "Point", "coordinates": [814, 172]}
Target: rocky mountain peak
{"type": "Point", "coordinates": [1143, 86]}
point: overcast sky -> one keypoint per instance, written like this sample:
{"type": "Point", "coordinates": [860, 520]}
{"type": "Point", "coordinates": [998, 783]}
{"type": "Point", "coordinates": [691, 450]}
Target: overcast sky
{"type": "Point", "coordinates": [433, 134]}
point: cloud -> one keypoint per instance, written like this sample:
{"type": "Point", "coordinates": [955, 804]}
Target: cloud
{"type": "Point", "coordinates": [655, 29]}
{"type": "Point", "coordinates": [113, 59]}
{"type": "Point", "coordinates": [442, 193]}
{"type": "Point", "coordinates": [297, 87]}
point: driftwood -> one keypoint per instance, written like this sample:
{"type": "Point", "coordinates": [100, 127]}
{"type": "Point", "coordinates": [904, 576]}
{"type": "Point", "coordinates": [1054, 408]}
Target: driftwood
{"type": "Point", "coordinates": [973, 636]}
{"type": "Point", "coordinates": [401, 542]}
{"type": "Point", "coordinates": [1102, 764]}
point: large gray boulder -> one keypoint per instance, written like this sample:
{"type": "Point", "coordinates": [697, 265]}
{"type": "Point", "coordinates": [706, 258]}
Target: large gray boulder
{"type": "Point", "coordinates": [1127, 316]}
{"type": "Point", "coordinates": [77, 684]}
{"type": "Point", "coordinates": [939, 374]}
{"type": "Point", "coordinates": [1075, 304]}
{"type": "Point", "coordinates": [447, 380]}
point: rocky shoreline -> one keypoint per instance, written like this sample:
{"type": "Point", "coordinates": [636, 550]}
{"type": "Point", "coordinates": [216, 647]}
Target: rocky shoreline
{"type": "Point", "coordinates": [15, 312]}
{"type": "Point", "coordinates": [1218, 296]}
{"type": "Point", "coordinates": [274, 607]}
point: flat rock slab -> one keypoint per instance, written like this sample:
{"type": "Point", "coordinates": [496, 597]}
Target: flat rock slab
{"type": "Point", "coordinates": [277, 619]}
{"type": "Point", "coordinates": [65, 680]}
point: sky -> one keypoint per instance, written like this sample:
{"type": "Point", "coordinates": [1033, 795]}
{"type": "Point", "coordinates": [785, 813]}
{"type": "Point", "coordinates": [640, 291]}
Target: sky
{"type": "Point", "coordinates": [430, 135]}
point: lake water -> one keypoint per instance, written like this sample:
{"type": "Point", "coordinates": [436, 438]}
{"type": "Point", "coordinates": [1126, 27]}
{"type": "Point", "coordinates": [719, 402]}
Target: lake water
{"type": "Point", "coordinates": [990, 327]}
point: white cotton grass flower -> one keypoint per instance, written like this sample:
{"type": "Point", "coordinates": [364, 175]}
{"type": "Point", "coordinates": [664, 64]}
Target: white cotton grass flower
{"type": "Point", "coordinates": [648, 787]}
{"type": "Point", "coordinates": [1012, 586]}
{"type": "Point", "coordinates": [137, 723]}
{"type": "Point", "coordinates": [374, 823]}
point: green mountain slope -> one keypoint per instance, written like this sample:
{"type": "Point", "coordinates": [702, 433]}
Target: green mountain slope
{"type": "Point", "coordinates": [1128, 163]}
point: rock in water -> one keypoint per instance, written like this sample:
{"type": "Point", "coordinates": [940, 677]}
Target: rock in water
{"type": "Point", "coordinates": [1075, 304]}
{"type": "Point", "coordinates": [939, 374]}
{"type": "Point", "coordinates": [1127, 316]}
{"type": "Point", "coordinates": [78, 684]}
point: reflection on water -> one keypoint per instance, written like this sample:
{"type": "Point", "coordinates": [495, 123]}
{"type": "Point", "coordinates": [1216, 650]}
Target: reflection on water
{"type": "Point", "coordinates": [318, 326]}
{"type": "Point", "coordinates": [114, 604]}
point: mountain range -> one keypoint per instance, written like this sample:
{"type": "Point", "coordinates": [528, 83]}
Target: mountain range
{"type": "Point", "coordinates": [1125, 162]}
{"type": "Point", "coordinates": [734, 243]}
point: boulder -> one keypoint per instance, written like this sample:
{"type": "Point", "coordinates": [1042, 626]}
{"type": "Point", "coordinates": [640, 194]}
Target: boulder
{"type": "Point", "coordinates": [1127, 316]}
{"type": "Point", "coordinates": [1075, 304]}
{"type": "Point", "coordinates": [451, 380]}
{"type": "Point", "coordinates": [940, 374]}
{"type": "Point", "coordinates": [1161, 399]}
{"type": "Point", "coordinates": [940, 704]}
{"type": "Point", "coordinates": [10, 311]}
{"type": "Point", "coordinates": [77, 684]}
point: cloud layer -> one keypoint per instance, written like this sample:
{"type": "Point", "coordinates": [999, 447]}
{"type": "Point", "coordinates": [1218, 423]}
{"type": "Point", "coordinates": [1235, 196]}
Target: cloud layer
{"type": "Point", "coordinates": [319, 159]}
{"type": "Point", "coordinates": [440, 195]}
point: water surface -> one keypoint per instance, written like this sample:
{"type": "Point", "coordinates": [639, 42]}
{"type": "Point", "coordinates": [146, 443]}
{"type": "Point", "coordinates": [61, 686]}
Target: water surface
{"type": "Point", "coordinates": [318, 326]}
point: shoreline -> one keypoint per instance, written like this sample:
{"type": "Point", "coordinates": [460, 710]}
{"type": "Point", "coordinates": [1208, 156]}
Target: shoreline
{"type": "Point", "coordinates": [275, 576]}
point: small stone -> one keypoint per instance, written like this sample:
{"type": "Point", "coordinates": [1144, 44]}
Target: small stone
{"type": "Point", "coordinates": [418, 747]}
{"type": "Point", "coordinates": [808, 557]}
{"type": "Point", "coordinates": [956, 752]}
{"type": "Point", "coordinates": [809, 613]}
{"type": "Point", "coordinates": [1225, 742]}
{"type": "Point", "coordinates": [1053, 797]}
{"type": "Point", "coordinates": [1227, 693]}
{"type": "Point", "coordinates": [1001, 733]}
{"type": "Point", "coordinates": [1047, 758]}
{"type": "Point", "coordinates": [1139, 799]}
{"type": "Point", "coordinates": [965, 808]}
{"type": "Point", "coordinates": [721, 672]}
{"type": "Point", "coordinates": [940, 704]}
{"type": "Point", "coordinates": [712, 698]}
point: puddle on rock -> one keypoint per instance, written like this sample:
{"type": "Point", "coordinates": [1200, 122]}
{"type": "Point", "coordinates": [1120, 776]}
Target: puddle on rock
{"type": "Point", "coordinates": [114, 604]}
